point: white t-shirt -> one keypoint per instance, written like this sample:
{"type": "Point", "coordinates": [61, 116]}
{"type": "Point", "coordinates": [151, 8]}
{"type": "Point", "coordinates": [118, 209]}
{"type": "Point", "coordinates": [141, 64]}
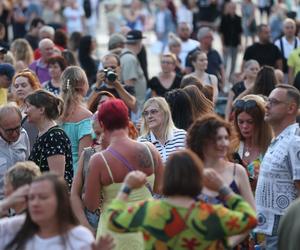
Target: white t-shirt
{"type": "Point", "coordinates": [78, 238]}
{"type": "Point", "coordinates": [73, 19]}
{"type": "Point", "coordinates": [186, 47]}
{"type": "Point", "coordinates": [287, 47]}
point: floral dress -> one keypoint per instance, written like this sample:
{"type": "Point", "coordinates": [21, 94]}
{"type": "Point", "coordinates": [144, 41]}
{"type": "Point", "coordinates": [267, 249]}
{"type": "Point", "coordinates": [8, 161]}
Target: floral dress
{"type": "Point", "coordinates": [53, 142]}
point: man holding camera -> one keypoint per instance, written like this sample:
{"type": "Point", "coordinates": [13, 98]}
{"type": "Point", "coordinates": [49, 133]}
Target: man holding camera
{"type": "Point", "coordinates": [108, 80]}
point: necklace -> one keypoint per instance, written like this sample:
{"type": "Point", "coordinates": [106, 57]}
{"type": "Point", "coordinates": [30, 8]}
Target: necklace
{"type": "Point", "coordinates": [247, 152]}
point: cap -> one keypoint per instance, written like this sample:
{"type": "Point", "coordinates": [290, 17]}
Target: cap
{"type": "Point", "coordinates": [115, 39]}
{"type": "Point", "coordinates": [134, 35]}
{"type": "Point", "coordinates": [7, 69]}
{"type": "Point", "coordinates": [3, 50]}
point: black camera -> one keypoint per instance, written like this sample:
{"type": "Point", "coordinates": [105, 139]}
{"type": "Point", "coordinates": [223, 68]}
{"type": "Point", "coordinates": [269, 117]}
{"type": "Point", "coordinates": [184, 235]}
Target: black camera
{"type": "Point", "coordinates": [110, 75]}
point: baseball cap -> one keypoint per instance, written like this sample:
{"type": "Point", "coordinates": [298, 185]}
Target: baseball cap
{"type": "Point", "coordinates": [115, 39]}
{"type": "Point", "coordinates": [7, 69]}
{"type": "Point", "coordinates": [134, 35]}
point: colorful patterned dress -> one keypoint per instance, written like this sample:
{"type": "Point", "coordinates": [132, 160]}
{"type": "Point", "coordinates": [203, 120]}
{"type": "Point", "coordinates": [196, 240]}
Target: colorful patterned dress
{"type": "Point", "coordinates": [165, 226]}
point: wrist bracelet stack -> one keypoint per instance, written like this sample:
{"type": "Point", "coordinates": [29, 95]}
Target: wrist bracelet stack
{"type": "Point", "coordinates": [224, 191]}
{"type": "Point", "coordinates": [125, 189]}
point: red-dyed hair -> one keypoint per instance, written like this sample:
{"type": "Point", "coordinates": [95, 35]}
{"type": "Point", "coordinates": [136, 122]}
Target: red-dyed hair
{"type": "Point", "coordinates": [113, 114]}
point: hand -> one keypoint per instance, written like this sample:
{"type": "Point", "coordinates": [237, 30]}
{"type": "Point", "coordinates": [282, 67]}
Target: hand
{"type": "Point", "coordinates": [135, 179]}
{"type": "Point", "coordinates": [212, 180]}
{"type": "Point", "coordinates": [104, 243]}
{"type": "Point", "coordinates": [18, 196]}
{"type": "Point", "coordinates": [100, 78]}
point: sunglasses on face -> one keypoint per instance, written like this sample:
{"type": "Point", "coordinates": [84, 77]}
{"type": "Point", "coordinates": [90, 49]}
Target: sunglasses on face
{"type": "Point", "coordinates": [244, 105]}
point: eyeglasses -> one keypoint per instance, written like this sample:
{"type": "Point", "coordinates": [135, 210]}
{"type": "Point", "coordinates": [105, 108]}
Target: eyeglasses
{"type": "Point", "coordinates": [244, 105]}
{"type": "Point", "coordinates": [10, 131]}
{"type": "Point", "coordinates": [150, 112]}
{"type": "Point", "coordinates": [273, 102]}
{"type": "Point", "coordinates": [166, 62]}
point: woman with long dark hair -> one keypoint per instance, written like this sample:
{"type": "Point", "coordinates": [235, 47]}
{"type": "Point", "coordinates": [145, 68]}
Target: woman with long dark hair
{"type": "Point", "coordinates": [86, 47]}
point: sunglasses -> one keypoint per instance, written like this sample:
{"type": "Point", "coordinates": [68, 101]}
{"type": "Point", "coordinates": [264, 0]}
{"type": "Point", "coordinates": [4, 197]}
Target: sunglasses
{"type": "Point", "coordinates": [150, 112]}
{"type": "Point", "coordinates": [244, 105]}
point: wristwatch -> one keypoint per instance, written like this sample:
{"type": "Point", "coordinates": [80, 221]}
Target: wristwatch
{"type": "Point", "coordinates": [125, 189]}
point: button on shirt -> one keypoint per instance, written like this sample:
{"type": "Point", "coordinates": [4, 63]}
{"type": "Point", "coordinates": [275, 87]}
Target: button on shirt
{"type": "Point", "coordinates": [279, 169]}
{"type": "Point", "coordinates": [11, 153]}
{"type": "Point", "coordinates": [175, 141]}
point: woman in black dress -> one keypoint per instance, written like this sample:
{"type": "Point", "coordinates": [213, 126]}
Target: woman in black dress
{"type": "Point", "coordinates": [52, 149]}
{"type": "Point", "coordinates": [167, 79]}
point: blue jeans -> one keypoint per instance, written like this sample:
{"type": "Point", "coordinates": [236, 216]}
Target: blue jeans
{"type": "Point", "coordinates": [271, 242]}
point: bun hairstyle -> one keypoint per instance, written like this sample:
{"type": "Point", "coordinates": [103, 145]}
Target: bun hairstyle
{"type": "Point", "coordinates": [52, 104]}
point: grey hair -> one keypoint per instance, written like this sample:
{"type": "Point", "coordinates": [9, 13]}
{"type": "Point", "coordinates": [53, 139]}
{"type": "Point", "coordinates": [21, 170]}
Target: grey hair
{"type": "Point", "coordinates": [48, 29]}
{"type": "Point", "coordinates": [9, 108]}
{"type": "Point", "coordinates": [202, 32]}
{"type": "Point", "coordinates": [250, 62]}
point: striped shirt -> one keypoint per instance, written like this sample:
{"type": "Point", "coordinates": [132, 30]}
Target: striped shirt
{"type": "Point", "coordinates": [175, 141]}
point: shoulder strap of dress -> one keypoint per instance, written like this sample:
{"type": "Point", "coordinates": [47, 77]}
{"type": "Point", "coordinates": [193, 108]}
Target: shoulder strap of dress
{"type": "Point", "coordinates": [107, 167]}
{"type": "Point", "coordinates": [234, 170]}
{"type": "Point", "coordinates": [150, 155]}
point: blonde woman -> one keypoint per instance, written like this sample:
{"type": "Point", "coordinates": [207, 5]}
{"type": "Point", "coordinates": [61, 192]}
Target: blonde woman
{"type": "Point", "coordinates": [22, 53]}
{"type": "Point", "coordinates": [76, 118]}
{"type": "Point", "coordinates": [159, 129]}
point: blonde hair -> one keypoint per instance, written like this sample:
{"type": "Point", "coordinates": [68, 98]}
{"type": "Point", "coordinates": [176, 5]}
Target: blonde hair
{"type": "Point", "coordinates": [73, 80]}
{"type": "Point", "coordinates": [170, 55]}
{"type": "Point", "coordinates": [163, 106]}
{"type": "Point", "coordinates": [22, 51]}
{"type": "Point", "coordinates": [22, 173]}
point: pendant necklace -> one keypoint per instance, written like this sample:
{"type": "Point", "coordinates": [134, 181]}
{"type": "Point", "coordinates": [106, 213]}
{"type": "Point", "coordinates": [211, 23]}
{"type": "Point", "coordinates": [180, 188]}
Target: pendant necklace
{"type": "Point", "coordinates": [247, 152]}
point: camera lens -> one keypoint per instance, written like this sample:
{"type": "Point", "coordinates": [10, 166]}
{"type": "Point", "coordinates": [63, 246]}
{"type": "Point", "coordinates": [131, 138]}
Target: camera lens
{"type": "Point", "coordinates": [111, 76]}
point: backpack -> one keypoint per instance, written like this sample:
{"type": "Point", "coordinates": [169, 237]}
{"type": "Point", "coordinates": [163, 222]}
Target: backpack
{"type": "Point", "coordinates": [284, 60]}
{"type": "Point", "coordinates": [87, 8]}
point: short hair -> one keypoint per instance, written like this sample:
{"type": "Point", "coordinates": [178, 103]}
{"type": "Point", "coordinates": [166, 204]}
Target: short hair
{"type": "Point", "coordinates": [168, 124]}
{"type": "Point", "coordinates": [35, 22]}
{"type": "Point", "coordinates": [261, 27]}
{"type": "Point", "coordinates": [202, 32]}
{"type": "Point", "coordinates": [47, 29]}
{"type": "Point", "coordinates": [113, 114]}
{"type": "Point", "coordinates": [170, 55]}
{"type": "Point", "coordinates": [53, 105]}
{"type": "Point", "coordinates": [248, 63]}
{"type": "Point", "coordinates": [289, 20]}
{"type": "Point", "coordinates": [183, 174]}
{"type": "Point", "coordinates": [8, 109]}
{"type": "Point", "coordinates": [59, 60]}
{"type": "Point", "coordinates": [292, 93]}
{"type": "Point", "coordinates": [114, 56]}
{"type": "Point", "coordinates": [45, 40]}
{"type": "Point", "coordinates": [61, 38]}
{"type": "Point", "coordinates": [22, 173]}
{"type": "Point", "coordinates": [173, 40]}
{"type": "Point", "coordinates": [204, 131]}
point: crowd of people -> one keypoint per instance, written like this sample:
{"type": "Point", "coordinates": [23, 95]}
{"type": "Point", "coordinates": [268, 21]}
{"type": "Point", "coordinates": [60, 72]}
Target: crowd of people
{"type": "Point", "coordinates": [100, 154]}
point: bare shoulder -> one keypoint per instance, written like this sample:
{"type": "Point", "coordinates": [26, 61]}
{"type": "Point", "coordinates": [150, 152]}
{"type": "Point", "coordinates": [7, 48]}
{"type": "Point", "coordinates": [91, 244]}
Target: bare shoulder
{"type": "Point", "coordinates": [240, 170]}
{"type": "Point", "coordinates": [80, 113]}
{"type": "Point", "coordinates": [144, 159]}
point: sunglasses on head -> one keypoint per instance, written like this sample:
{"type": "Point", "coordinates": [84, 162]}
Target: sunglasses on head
{"type": "Point", "coordinates": [244, 105]}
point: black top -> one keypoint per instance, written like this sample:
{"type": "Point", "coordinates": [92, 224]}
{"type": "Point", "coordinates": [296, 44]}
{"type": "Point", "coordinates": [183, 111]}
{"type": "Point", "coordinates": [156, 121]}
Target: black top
{"type": "Point", "coordinates": [214, 62]}
{"type": "Point", "coordinates": [54, 90]}
{"type": "Point", "coordinates": [33, 41]}
{"type": "Point", "coordinates": [231, 29]}
{"type": "Point", "coordinates": [54, 142]}
{"type": "Point", "coordinates": [265, 54]}
{"type": "Point", "coordinates": [238, 89]}
{"type": "Point", "coordinates": [160, 90]}
{"type": "Point", "coordinates": [104, 87]}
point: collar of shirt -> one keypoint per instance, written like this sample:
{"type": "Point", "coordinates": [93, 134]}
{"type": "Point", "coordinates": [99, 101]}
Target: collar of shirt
{"type": "Point", "coordinates": [170, 137]}
{"type": "Point", "coordinates": [40, 64]}
{"type": "Point", "coordinates": [286, 132]}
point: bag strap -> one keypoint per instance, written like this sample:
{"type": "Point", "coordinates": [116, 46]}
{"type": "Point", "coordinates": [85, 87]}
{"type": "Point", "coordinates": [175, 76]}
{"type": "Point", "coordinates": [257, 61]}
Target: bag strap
{"type": "Point", "coordinates": [281, 47]}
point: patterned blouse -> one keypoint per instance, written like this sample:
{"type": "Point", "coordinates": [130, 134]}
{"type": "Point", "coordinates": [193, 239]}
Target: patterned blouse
{"type": "Point", "coordinates": [53, 142]}
{"type": "Point", "coordinates": [165, 226]}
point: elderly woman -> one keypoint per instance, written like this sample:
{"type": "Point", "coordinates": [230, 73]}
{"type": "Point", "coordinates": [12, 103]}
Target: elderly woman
{"type": "Point", "coordinates": [159, 129]}
{"type": "Point", "coordinates": [180, 222]}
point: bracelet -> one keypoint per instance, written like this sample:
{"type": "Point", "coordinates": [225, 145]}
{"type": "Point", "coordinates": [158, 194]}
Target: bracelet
{"type": "Point", "coordinates": [224, 191]}
{"type": "Point", "coordinates": [125, 189]}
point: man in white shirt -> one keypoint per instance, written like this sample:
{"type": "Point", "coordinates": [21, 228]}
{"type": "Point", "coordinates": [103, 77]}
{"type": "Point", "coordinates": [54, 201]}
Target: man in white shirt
{"type": "Point", "coordinates": [187, 44]}
{"type": "Point", "coordinates": [14, 142]}
{"type": "Point", "coordinates": [279, 177]}
{"type": "Point", "coordinates": [287, 43]}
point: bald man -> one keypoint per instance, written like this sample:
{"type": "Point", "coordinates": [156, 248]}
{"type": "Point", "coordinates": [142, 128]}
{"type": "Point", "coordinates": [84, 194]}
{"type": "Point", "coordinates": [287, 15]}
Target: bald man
{"type": "Point", "coordinates": [40, 66]}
